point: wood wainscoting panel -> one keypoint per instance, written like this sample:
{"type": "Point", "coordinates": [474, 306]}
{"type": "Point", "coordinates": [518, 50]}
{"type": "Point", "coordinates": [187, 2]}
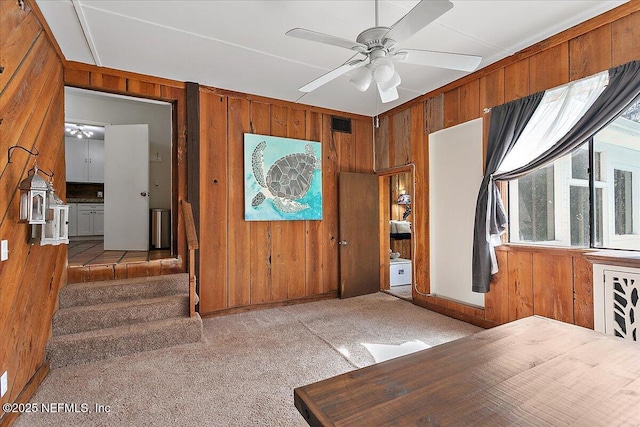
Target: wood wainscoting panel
{"type": "Point", "coordinates": [470, 101]}
{"type": "Point", "coordinates": [496, 301]}
{"type": "Point", "coordinates": [419, 212]}
{"type": "Point", "coordinates": [261, 237]}
{"type": "Point", "coordinates": [296, 242]}
{"type": "Point", "coordinates": [590, 53]}
{"type": "Point", "coordinates": [549, 68]}
{"type": "Point", "coordinates": [239, 230]}
{"type": "Point", "coordinates": [330, 172]}
{"type": "Point", "coordinates": [401, 138]}
{"type": "Point", "coordinates": [492, 89]}
{"type": "Point", "coordinates": [583, 292]}
{"type": "Point", "coordinates": [213, 238]}
{"type": "Point", "coordinates": [516, 81]}
{"type": "Point", "coordinates": [280, 232]}
{"type": "Point", "coordinates": [382, 141]}
{"type": "Point", "coordinates": [553, 286]}
{"type": "Point", "coordinates": [625, 39]}
{"type": "Point", "coordinates": [313, 230]}
{"type": "Point", "coordinates": [520, 283]}
{"type": "Point", "coordinates": [32, 113]}
{"type": "Point", "coordinates": [452, 108]}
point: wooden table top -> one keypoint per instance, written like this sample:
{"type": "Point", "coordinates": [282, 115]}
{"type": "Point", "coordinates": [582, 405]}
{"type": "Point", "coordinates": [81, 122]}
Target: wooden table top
{"type": "Point", "coordinates": [531, 372]}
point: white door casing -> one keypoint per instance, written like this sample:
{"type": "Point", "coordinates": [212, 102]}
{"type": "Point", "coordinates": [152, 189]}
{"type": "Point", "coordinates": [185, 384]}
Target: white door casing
{"type": "Point", "coordinates": [126, 187]}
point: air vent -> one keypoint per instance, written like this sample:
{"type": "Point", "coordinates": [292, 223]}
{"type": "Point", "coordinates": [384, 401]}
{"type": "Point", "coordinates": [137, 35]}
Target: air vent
{"type": "Point", "coordinates": [340, 124]}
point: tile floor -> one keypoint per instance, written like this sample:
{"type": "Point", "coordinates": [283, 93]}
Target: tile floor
{"type": "Point", "coordinates": [91, 252]}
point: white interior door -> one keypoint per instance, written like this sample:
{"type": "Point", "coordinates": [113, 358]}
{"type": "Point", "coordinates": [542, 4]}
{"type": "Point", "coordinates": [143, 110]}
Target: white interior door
{"type": "Point", "coordinates": [126, 187]}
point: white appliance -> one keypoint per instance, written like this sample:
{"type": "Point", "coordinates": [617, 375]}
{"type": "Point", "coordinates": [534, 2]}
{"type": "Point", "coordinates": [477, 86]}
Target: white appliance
{"type": "Point", "coordinates": [400, 272]}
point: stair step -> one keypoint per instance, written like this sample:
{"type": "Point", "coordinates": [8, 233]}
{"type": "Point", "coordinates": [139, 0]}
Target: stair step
{"type": "Point", "coordinates": [73, 320]}
{"type": "Point", "coordinates": [92, 293]}
{"type": "Point", "coordinates": [91, 346]}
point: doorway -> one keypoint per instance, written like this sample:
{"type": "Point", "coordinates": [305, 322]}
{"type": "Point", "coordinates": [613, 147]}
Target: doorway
{"type": "Point", "coordinates": [86, 107]}
{"type": "Point", "coordinates": [397, 190]}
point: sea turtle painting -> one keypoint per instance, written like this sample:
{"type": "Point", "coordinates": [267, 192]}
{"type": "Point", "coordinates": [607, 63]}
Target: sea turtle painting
{"type": "Point", "coordinates": [287, 180]}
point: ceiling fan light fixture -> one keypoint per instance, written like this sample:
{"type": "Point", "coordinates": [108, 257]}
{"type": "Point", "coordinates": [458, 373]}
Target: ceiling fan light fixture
{"type": "Point", "coordinates": [79, 130]}
{"type": "Point", "coordinates": [383, 69]}
{"type": "Point", "coordinates": [393, 82]}
{"type": "Point", "coordinates": [361, 78]}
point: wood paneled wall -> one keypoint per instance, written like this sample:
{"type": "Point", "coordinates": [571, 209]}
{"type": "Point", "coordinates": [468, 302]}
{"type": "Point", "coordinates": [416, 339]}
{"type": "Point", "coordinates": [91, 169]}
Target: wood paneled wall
{"type": "Point", "coordinates": [245, 264]}
{"type": "Point", "coordinates": [557, 289]}
{"type": "Point", "coordinates": [32, 116]}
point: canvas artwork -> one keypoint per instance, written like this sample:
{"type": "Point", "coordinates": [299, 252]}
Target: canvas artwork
{"type": "Point", "coordinates": [283, 179]}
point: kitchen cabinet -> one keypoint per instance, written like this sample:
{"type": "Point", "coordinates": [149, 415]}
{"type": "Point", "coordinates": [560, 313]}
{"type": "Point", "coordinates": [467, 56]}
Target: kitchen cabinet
{"type": "Point", "coordinates": [84, 159]}
{"type": "Point", "coordinates": [90, 219]}
{"type": "Point", "coordinates": [73, 219]}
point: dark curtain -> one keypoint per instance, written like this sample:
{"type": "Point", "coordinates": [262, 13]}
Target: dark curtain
{"type": "Point", "coordinates": [623, 89]}
{"type": "Point", "coordinates": [507, 123]}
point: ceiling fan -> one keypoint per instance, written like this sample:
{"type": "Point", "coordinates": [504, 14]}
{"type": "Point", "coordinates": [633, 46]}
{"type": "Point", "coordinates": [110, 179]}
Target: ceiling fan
{"type": "Point", "coordinates": [378, 45]}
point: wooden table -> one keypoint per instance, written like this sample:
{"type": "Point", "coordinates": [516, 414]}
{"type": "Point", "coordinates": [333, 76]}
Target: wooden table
{"type": "Point", "coordinates": [531, 372]}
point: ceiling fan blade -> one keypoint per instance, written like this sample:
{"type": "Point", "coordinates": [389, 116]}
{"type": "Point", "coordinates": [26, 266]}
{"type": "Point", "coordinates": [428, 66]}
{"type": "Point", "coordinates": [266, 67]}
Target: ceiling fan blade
{"type": "Point", "coordinates": [454, 61]}
{"type": "Point", "coordinates": [388, 95]}
{"type": "Point", "coordinates": [314, 36]}
{"type": "Point", "coordinates": [422, 14]}
{"type": "Point", "coordinates": [326, 78]}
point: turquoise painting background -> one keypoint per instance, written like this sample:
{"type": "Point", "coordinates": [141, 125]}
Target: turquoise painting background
{"type": "Point", "coordinates": [277, 148]}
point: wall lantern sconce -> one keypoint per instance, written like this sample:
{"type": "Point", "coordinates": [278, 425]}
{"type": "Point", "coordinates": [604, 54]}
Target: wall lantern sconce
{"type": "Point", "coordinates": [56, 230]}
{"type": "Point", "coordinates": [33, 198]}
{"type": "Point", "coordinates": [41, 207]}
{"type": "Point", "coordinates": [405, 200]}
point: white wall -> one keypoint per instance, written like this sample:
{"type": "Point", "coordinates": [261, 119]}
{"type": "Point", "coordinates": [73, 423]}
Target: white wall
{"type": "Point", "coordinates": [455, 175]}
{"type": "Point", "coordinates": [89, 107]}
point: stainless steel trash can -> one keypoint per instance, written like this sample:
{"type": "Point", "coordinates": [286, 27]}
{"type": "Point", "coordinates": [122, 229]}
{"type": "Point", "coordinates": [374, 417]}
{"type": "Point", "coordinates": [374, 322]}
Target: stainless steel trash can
{"type": "Point", "coordinates": [160, 229]}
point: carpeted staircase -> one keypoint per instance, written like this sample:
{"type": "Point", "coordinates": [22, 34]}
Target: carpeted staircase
{"type": "Point", "coordinates": [100, 320]}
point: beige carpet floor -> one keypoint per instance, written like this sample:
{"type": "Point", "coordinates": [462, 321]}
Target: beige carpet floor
{"type": "Point", "coordinates": [245, 369]}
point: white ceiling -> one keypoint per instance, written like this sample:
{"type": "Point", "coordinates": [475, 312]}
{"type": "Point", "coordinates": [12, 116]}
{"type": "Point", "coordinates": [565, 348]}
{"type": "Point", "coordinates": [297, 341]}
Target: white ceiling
{"type": "Point", "coordinates": [241, 45]}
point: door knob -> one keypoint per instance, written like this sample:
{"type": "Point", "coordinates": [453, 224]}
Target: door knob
{"type": "Point", "coordinates": [143, 194]}
{"type": "Point", "coordinates": [342, 242]}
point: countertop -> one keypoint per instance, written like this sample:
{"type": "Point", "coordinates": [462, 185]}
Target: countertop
{"type": "Point", "coordinates": [85, 200]}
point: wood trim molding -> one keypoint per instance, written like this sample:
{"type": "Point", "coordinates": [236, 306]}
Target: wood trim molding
{"type": "Point", "coordinates": [193, 166]}
{"type": "Point", "coordinates": [474, 320]}
{"type": "Point", "coordinates": [517, 247]}
{"type": "Point", "coordinates": [283, 103]}
{"type": "Point", "coordinates": [566, 35]}
{"type": "Point", "coordinates": [613, 257]}
{"type": "Point", "coordinates": [303, 300]}
{"type": "Point", "coordinates": [81, 66]}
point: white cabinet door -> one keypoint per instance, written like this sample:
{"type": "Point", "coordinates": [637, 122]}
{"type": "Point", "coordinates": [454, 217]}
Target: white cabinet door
{"type": "Point", "coordinates": [85, 223]}
{"type": "Point", "coordinates": [84, 159]}
{"type": "Point", "coordinates": [77, 165]}
{"type": "Point", "coordinates": [73, 219]}
{"type": "Point", "coordinates": [98, 221]}
{"type": "Point", "coordinates": [90, 219]}
{"type": "Point", "coordinates": [96, 160]}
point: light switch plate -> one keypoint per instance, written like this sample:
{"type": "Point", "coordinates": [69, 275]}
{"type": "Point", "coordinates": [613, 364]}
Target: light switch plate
{"type": "Point", "coordinates": [3, 384]}
{"type": "Point", "coordinates": [4, 250]}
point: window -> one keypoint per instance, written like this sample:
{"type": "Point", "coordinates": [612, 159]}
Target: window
{"type": "Point", "coordinates": [554, 205]}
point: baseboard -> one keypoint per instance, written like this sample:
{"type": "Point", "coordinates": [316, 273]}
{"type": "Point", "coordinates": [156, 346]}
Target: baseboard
{"type": "Point", "coordinates": [483, 323]}
{"type": "Point", "coordinates": [265, 305]}
{"type": "Point", "coordinates": [26, 394]}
